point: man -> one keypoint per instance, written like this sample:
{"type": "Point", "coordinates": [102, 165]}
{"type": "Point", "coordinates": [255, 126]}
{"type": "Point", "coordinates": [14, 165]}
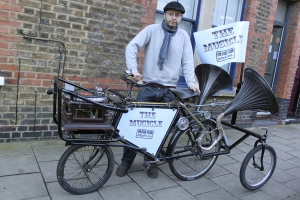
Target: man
{"type": "Point", "coordinates": [167, 50]}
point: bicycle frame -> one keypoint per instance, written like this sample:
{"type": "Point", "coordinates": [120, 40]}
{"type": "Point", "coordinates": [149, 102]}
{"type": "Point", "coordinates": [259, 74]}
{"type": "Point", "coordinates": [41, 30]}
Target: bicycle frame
{"type": "Point", "coordinates": [123, 119]}
{"type": "Point", "coordinates": [147, 127]}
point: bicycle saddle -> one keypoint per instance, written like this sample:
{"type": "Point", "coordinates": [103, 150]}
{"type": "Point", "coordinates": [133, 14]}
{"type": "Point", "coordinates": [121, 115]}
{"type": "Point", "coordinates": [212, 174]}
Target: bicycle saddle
{"type": "Point", "coordinates": [184, 93]}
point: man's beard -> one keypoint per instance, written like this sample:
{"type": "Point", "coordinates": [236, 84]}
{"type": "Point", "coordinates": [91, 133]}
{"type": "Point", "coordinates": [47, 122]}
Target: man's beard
{"type": "Point", "coordinates": [170, 26]}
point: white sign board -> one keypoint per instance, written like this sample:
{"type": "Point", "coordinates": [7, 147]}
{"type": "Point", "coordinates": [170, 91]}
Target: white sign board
{"type": "Point", "coordinates": [223, 44]}
{"type": "Point", "coordinates": [146, 127]}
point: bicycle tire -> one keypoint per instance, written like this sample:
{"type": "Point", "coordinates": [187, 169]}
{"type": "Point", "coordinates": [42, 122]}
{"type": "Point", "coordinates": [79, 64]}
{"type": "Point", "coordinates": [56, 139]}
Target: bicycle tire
{"type": "Point", "coordinates": [251, 176]}
{"type": "Point", "coordinates": [193, 167]}
{"type": "Point", "coordinates": [77, 176]}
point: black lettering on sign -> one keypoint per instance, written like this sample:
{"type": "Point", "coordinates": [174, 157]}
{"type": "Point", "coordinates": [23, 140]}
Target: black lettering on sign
{"type": "Point", "coordinates": [145, 123]}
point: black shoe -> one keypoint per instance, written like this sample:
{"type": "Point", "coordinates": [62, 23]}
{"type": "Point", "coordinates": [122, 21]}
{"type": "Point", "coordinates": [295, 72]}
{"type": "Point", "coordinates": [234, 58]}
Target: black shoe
{"type": "Point", "coordinates": [152, 172]}
{"type": "Point", "coordinates": [122, 170]}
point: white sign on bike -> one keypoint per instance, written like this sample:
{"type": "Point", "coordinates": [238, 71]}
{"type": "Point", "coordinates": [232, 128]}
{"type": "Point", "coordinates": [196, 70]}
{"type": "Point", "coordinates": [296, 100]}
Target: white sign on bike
{"type": "Point", "coordinates": [146, 127]}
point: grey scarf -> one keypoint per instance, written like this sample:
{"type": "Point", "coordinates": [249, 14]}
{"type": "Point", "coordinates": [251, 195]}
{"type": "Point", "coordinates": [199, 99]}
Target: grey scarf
{"type": "Point", "coordinates": [163, 54]}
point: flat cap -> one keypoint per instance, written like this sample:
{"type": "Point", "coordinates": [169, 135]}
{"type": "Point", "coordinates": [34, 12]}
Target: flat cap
{"type": "Point", "coordinates": [174, 5]}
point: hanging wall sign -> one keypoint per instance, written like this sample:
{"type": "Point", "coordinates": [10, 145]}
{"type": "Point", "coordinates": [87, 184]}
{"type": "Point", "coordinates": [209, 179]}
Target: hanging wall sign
{"type": "Point", "coordinates": [146, 127]}
{"type": "Point", "coordinates": [223, 44]}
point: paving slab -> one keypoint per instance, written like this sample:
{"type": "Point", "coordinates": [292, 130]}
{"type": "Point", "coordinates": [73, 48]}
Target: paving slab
{"type": "Point", "coordinates": [295, 171]}
{"type": "Point", "coordinates": [278, 190]}
{"type": "Point", "coordinates": [173, 193]}
{"type": "Point", "coordinates": [294, 153]}
{"type": "Point", "coordinates": [18, 164]}
{"type": "Point", "coordinates": [260, 195]}
{"type": "Point", "coordinates": [216, 171]}
{"type": "Point", "coordinates": [283, 155]}
{"type": "Point", "coordinates": [294, 184]}
{"type": "Point", "coordinates": [294, 197]}
{"type": "Point", "coordinates": [284, 134]}
{"type": "Point", "coordinates": [233, 168]}
{"type": "Point", "coordinates": [198, 186]}
{"type": "Point", "coordinates": [48, 169]}
{"type": "Point", "coordinates": [278, 140]}
{"type": "Point", "coordinates": [294, 145]}
{"type": "Point", "coordinates": [246, 148]}
{"type": "Point", "coordinates": [219, 194]}
{"type": "Point", "coordinates": [57, 193]}
{"type": "Point", "coordinates": [236, 151]}
{"type": "Point", "coordinates": [42, 198]}
{"type": "Point", "coordinates": [280, 147]}
{"type": "Point", "coordinates": [294, 161]}
{"type": "Point", "coordinates": [28, 171]}
{"type": "Point", "coordinates": [225, 160]}
{"type": "Point", "coordinates": [285, 164]}
{"type": "Point", "coordinates": [238, 157]}
{"type": "Point", "coordinates": [15, 148]}
{"type": "Point", "coordinates": [149, 184]}
{"type": "Point", "coordinates": [26, 186]}
{"type": "Point", "coordinates": [48, 152]}
{"type": "Point", "coordinates": [282, 176]}
{"type": "Point", "coordinates": [129, 191]}
{"type": "Point", "coordinates": [231, 183]}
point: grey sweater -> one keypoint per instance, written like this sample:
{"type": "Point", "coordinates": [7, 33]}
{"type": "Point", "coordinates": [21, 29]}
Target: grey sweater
{"type": "Point", "coordinates": [180, 55]}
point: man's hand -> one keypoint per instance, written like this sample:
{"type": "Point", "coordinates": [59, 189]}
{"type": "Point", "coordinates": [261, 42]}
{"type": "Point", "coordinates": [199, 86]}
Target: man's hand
{"type": "Point", "coordinates": [194, 88]}
{"type": "Point", "coordinates": [137, 76]}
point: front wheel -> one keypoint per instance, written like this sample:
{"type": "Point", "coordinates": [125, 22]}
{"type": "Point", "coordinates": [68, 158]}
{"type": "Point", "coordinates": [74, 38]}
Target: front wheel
{"type": "Point", "coordinates": [258, 167]}
{"type": "Point", "coordinates": [189, 164]}
{"type": "Point", "coordinates": [84, 169]}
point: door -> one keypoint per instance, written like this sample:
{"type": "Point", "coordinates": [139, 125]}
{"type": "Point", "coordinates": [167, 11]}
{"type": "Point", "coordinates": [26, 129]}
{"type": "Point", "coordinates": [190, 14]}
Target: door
{"type": "Point", "coordinates": [295, 92]}
{"type": "Point", "coordinates": [273, 55]}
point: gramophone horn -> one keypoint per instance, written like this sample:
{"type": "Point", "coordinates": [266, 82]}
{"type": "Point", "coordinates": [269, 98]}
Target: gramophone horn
{"type": "Point", "coordinates": [255, 94]}
{"type": "Point", "coordinates": [211, 80]}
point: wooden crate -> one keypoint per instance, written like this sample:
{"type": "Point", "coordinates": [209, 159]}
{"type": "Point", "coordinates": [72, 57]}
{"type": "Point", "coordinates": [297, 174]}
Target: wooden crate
{"type": "Point", "coordinates": [81, 115]}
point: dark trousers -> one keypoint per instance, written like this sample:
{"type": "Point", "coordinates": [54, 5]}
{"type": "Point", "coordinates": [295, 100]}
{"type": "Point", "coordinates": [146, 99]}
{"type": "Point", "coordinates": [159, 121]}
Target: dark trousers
{"type": "Point", "coordinates": [147, 94]}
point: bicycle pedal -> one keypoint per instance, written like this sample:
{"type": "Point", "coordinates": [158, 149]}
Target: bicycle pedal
{"type": "Point", "coordinates": [145, 165]}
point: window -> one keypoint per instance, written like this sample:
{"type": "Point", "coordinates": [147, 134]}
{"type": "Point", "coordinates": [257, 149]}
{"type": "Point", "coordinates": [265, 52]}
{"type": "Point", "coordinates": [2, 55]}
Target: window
{"type": "Point", "coordinates": [225, 12]}
{"type": "Point", "coordinates": [281, 11]}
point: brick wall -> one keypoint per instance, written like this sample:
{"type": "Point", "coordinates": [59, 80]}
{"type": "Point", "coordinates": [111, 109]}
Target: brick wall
{"type": "Point", "coordinates": [289, 62]}
{"type": "Point", "coordinates": [86, 39]}
{"type": "Point", "coordinates": [261, 15]}
{"type": "Point", "coordinates": [290, 54]}
{"type": "Point", "coordinates": [245, 118]}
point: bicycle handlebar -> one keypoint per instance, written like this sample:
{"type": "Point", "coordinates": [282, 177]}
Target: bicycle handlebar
{"type": "Point", "coordinates": [134, 83]}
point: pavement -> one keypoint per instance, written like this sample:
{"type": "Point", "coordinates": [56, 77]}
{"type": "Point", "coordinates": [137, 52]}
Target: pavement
{"type": "Point", "coordinates": [28, 171]}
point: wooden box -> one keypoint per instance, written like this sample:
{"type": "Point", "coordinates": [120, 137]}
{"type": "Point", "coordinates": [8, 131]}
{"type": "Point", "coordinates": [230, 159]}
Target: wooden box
{"type": "Point", "coordinates": [78, 114]}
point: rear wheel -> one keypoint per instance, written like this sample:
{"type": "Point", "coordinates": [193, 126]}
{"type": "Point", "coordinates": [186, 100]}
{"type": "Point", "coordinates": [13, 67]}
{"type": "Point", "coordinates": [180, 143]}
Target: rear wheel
{"type": "Point", "coordinates": [84, 169]}
{"type": "Point", "coordinates": [190, 164]}
{"type": "Point", "coordinates": [258, 167]}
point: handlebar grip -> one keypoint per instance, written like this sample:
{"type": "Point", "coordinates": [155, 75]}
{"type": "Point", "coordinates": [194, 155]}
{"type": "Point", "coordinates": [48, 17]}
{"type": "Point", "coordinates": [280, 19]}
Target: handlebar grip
{"type": "Point", "coordinates": [49, 92]}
